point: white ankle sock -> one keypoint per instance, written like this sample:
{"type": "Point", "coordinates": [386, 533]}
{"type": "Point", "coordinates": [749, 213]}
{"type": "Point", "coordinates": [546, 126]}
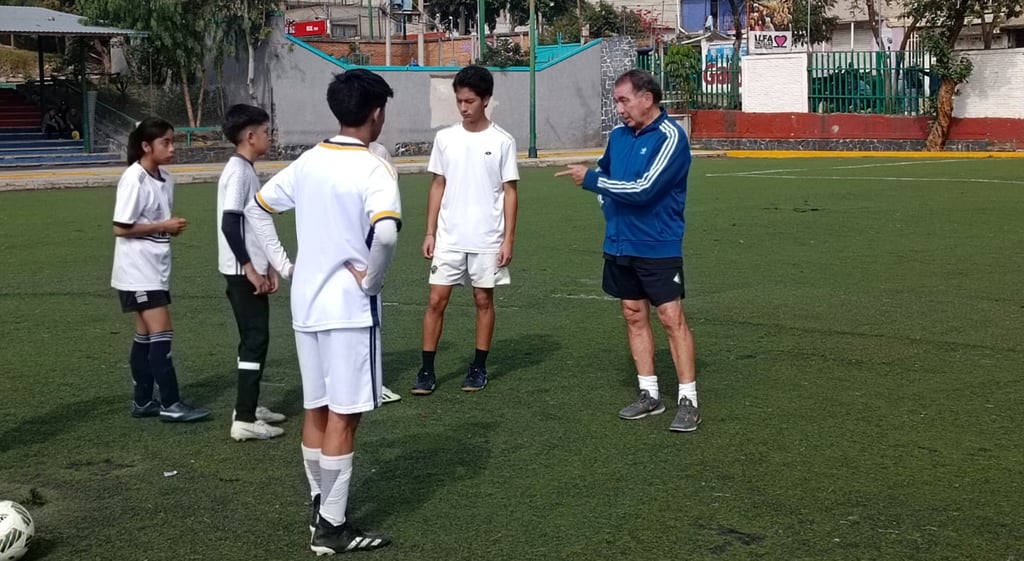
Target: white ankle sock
{"type": "Point", "coordinates": [336, 471]}
{"type": "Point", "coordinates": [649, 383]}
{"type": "Point", "coordinates": [311, 459]}
{"type": "Point", "coordinates": [690, 391]}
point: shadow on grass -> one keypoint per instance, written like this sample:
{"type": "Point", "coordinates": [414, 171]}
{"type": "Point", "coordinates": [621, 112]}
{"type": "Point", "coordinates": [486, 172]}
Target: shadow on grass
{"type": "Point", "coordinates": [508, 355]}
{"type": "Point", "coordinates": [417, 467]}
{"type": "Point", "coordinates": [51, 423]}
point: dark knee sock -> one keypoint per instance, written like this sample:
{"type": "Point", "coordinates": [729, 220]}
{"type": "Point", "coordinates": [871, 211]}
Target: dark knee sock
{"type": "Point", "coordinates": [428, 360]}
{"type": "Point", "coordinates": [249, 375]}
{"type": "Point", "coordinates": [163, 367]}
{"type": "Point", "coordinates": [480, 360]}
{"type": "Point", "coordinates": [142, 374]}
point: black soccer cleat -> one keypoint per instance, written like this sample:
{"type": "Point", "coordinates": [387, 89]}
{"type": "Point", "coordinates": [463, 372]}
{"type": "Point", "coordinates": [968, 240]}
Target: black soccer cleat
{"type": "Point", "coordinates": [329, 539]}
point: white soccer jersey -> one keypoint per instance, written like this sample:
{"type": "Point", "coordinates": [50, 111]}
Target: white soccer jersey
{"type": "Point", "coordinates": [237, 186]}
{"type": "Point", "coordinates": [339, 190]}
{"type": "Point", "coordinates": [475, 165]}
{"type": "Point", "coordinates": [142, 263]}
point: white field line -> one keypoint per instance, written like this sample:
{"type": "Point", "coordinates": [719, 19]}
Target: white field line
{"type": "Point", "coordinates": [765, 172]}
{"type": "Point", "coordinates": [925, 179]}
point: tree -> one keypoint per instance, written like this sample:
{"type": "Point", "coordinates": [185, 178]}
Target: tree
{"type": "Point", "coordinates": [245, 22]}
{"type": "Point", "coordinates": [823, 24]}
{"type": "Point", "coordinates": [994, 13]}
{"type": "Point", "coordinates": [946, 19]}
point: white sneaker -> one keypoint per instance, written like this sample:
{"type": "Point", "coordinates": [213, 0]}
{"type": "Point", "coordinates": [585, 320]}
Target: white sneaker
{"type": "Point", "coordinates": [388, 396]}
{"type": "Point", "coordinates": [259, 430]}
{"type": "Point", "coordinates": [268, 416]}
{"type": "Point", "coordinates": [265, 415]}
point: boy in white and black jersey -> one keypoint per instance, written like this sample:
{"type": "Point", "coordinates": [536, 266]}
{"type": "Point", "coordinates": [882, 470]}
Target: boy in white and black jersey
{"type": "Point", "coordinates": [143, 226]}
{"type": "Point", "coordinates": [347, 215]}
{"type": "Point", "coordinates": [252, 272]}
{"type": "Point", "coordinates": [471, 221]}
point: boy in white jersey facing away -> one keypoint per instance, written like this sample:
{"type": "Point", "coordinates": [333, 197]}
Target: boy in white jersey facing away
{"type": "Point", "coordinates": [471, 221]}
{"type": "Point", "coordinates": [143, 226]}
{"type": "Point", "coordinates": [347, 216]}
{"type": "Point", "coordinates": [252, 272]}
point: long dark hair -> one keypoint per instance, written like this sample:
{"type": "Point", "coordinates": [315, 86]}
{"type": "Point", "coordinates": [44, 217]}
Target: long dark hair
{"type": "Point", "coordinates": [148, 130]}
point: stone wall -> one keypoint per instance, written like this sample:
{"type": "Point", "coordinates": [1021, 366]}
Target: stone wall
{"type": "Point", "coordinates": [618, 54]}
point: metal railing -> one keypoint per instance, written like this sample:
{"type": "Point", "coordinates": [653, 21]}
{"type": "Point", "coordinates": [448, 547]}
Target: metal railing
{"type": "Point", "coordinates": [884, 83]}
{"type": "Point", "coordinates": [715, 86]}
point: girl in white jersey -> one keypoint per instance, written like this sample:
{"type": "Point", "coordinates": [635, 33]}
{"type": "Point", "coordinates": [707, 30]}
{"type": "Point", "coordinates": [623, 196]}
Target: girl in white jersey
{"type": "Point", "coordinates": [143, 226]}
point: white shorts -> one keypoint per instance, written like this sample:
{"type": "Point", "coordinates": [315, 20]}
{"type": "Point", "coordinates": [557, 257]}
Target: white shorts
{"type": "Point", "coordinates": [341, 368]}
{"type": "Point", "coordinates": [480, 270]}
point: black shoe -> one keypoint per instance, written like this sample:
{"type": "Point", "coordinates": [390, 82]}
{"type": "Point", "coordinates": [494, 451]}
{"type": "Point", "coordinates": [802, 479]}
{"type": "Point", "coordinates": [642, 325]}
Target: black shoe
{"type": "Point", "coordinates": [329, 539]}
{"type": "Point", "coordinates": [182, 412]}
{"type": "Point", "coordinates": [425, 384]}
{"type": "Point", "coordinates": [150, 409]}
{"type": "Point", "coordinates": [476, 379]}
{"type": "Point", "coordinates": [314, 516]}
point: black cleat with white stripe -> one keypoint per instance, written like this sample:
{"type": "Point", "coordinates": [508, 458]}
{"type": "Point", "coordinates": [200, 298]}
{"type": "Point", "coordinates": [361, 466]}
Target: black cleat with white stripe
{"type": "Point", "coordinates": [329, 539]}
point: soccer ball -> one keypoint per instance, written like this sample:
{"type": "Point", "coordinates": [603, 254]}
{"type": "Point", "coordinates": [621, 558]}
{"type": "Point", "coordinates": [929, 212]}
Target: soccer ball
{"type": "Point", "coordinates": [16, 530]}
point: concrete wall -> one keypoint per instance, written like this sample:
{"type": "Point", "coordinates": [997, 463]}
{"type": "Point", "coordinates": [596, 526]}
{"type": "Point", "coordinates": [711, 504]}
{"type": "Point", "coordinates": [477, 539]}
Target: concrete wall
{"type": "Point", "coordinates": [775, 83]}
{"type": "Point", "coordinates": [994, 88]}
{"type": "Point", "coordinates": [568, 100]}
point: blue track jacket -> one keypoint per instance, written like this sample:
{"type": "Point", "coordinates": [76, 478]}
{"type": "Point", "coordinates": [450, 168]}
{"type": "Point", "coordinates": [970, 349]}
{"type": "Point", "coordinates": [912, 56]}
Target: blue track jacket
{"type": "Point", "coordinates": [641, 180]}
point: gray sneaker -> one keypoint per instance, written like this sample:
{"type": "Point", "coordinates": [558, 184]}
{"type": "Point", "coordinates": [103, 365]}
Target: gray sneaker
{"type": "Point", "coordinates": [687, 418]}
{"type": "Point", "coordinates": [642, 407]}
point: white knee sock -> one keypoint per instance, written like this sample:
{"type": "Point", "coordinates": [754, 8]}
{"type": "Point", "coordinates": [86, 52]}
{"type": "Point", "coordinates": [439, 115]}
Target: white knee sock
{"type": "Point", "coordinates": [690, 391]}
{"type": "Point", "coordinates": [311, 459]}
{"type": "Point", "coordinates": [649, 383]}
{"type": "Point", "coordinates": [336, 471]}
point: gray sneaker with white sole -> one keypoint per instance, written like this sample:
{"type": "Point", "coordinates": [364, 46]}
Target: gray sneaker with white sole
{"type": "Point", "coordinates": [687, 418]}
{"type": "Point", "coordinates": [645, 405]}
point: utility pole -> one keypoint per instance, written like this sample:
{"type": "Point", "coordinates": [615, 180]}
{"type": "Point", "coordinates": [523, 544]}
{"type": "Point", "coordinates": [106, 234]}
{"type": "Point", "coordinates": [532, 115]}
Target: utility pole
{"type": "Point", "coordinates": [532, 153]}
{"type": "Point", "coordinates": [481, 26]}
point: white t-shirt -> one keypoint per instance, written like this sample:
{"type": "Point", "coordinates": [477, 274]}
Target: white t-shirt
{"type": "Point", "coordinates": [142, 263]}
{"type": "Point", "coordinates": [237, 186]}
{"type": "Point", "coordinates": [339, 190]}
{"type": "Point", "coordinates": [475, 166]}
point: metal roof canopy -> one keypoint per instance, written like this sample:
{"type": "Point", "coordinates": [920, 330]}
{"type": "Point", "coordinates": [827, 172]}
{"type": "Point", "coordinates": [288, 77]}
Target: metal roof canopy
{"type": "Point", "coordinates": [22, 20]}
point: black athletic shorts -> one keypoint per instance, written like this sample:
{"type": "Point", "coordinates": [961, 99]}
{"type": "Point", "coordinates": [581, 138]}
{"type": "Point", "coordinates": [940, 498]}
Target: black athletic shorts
{"type": "Point", "coordinates": [643, 278]}
{"type": "Point", "coordinates": [139, 300]}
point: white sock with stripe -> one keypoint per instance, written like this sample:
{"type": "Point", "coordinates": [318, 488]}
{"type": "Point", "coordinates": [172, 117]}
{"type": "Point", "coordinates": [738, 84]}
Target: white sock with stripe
{"type": "Point", "coordinates": [335, 474]}
{"type": "Point", "coordinates": [649, 383]}
{"type": "Point", "coordinates": [311, 460]}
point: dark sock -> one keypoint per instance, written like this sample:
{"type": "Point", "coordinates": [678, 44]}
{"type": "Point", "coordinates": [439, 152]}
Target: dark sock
{"type": "Point", "coordinates": [428, 360]}
{"type": "Point", "coordinates": [163, 367]}
{"type": "Point", "coordinates": [142, 375]}
{"type": "Point", "coordinates": [248, 391]}
{"type": "Point", "coordinates": [480, 360]}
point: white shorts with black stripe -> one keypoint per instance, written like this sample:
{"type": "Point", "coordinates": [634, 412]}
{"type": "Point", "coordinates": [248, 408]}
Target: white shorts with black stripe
{"type": "Point", "coordinates": [341, 369]}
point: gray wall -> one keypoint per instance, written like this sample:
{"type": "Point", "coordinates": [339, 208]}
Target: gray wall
{"type": "Point", "coordinates": [568, 99]}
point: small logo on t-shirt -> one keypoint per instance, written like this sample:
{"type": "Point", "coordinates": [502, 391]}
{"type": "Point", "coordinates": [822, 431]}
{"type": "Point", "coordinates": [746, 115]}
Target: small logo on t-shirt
{"type": "Point", "coordinates": [643, 150]}
{"type": "Point", "coordinates": [487, 153]}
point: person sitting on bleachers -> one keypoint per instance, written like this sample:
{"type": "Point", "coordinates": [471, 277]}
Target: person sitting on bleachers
{"type": "Point", "coordinates": [53, 125]}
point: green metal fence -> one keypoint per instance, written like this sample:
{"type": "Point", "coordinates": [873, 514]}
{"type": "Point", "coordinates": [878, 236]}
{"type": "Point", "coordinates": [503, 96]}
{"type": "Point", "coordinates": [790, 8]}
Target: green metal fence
{"type": "Point", "coordinates": [886, 83]}
{"type": "Point", "coordinates": [715, 86]}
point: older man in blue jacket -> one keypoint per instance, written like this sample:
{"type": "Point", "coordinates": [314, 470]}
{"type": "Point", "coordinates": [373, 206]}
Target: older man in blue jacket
{"type": "Point", "coordinates": [641, 183]}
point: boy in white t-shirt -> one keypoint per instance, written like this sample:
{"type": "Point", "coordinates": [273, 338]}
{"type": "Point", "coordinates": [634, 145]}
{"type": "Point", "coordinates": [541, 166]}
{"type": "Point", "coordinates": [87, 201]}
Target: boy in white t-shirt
{"type": "Point", "coordinates": [471, 221]}
{"type": "Point", "coordinates": [347, 215]}
{"type": "Point", "coordinates": [251, 272]}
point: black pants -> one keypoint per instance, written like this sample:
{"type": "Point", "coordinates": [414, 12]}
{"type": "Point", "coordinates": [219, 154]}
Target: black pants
{"type": "Point", "coordinates": [252, 314]}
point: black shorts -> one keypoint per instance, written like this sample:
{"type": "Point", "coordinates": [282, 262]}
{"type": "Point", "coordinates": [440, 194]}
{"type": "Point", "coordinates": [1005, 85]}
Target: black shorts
{"type": "Point", "coordinates": [139, 300]}
{"type": "Point", "coordinates": [643, 278]}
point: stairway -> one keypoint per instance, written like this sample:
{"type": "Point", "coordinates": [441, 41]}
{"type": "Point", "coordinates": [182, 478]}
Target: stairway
{"type": "Point", "coordinates": [23, 145]}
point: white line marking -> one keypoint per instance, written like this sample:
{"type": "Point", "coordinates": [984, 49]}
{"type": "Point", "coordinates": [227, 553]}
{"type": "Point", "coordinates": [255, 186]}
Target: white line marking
{"type": "Point", "coordinates": [927, 179]}
{"type": "Point", "coordinates": [765, 172]}
{"type": "Point", "coordinates": [584, 297]}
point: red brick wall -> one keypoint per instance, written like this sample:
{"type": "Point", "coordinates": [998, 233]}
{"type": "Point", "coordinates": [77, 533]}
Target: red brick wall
{"type": "Point", "coordinates": [459, 49]}
{"type": "Point", "coordinates": [777, 126]}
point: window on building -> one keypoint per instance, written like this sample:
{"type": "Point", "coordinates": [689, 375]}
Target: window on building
{"type": "Point", "coordinates": [343, 30]}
